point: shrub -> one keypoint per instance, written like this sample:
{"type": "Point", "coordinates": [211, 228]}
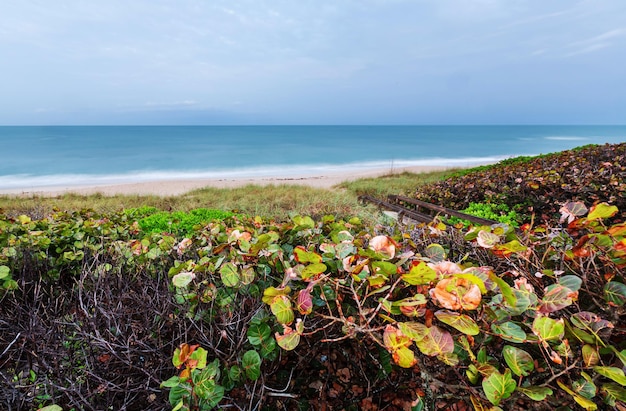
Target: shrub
{"type": "Point", "coordinates": [180, 222]}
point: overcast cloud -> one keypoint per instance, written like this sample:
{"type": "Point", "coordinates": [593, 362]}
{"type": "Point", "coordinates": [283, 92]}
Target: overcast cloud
{"type": "Point", "coordinates": [313, 62]}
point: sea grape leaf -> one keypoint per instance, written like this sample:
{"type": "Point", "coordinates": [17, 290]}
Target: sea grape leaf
{"type": "Point", "coordinates": [384, 246]}
{"type": "Point", "coordinates": [55, 407]}
{"type": "Point", "coordinates": [614, 373]}
{"type": "Point", "coordinates": [585, 386]}
{"type": "Point", "coordinates": [247, 275]}
{"type": "Point", "coordinates": [398, 345]}
{"type": "Point", "coordinates": [556, 297]}
{"type": "Point", "coordinates": [548, 329]}
{"type": "Point", "coordinates": [509, 331]}
{"type": "Point", "coordinates": [303, 256]}
{"type": "Point", "coordinates": [509, 248]}
{"type": "Point", "coordinates": [312, 270]}
{"type": "Point", "coordinates": [251, 364]}
{"type": "Point", "coordinates": [303, 223]}
{"type": "Point", "coordinates": [414, 330]}
{"type": "Point", "coordinates": [461, 322]}
{"type": "Point", "coordinates": [435, 252]}
{"type": "Point", "coordinates": [305, 302]}
{"type": "Point", "coordinates": [281, 308]}
{"type": "Point", "coordinates": [590, 322]}
{"type": "Point", "coordinates": [518, 360]}
{"type": "Point", "coordinates": [535, 393]}
{"type": "Point", "coordinates": [4, 271]}
{"type": "Point", "coordinates": [230, 275]}
{"type": "Point", "coordinates": [474, 280]}
{"type": "Point", "coordinates": [615, 293]}
{"type": "Point", "coordinates": [183, 279]}
{"type": "Point", "coordinates": [436, 342]}
{"type": "Point", "coordinates": [591, 356]}
{"type": "Point", "coordinates": [258, 333]}
{"type": "Point", "coordinates": [601, 211]}
{"type": "Point", "coordinates": [384, 267]}
{"type": "Point", "coordinates": [290, 338]}
{"type": "Point", "coordinates": [572, 210]}
{"type": "Point", "coordinates": [613, 392]}
{"type": "Point", "coordinates": [582, 401]}
{"type": "Point", "coordinates": [572, 282]}
{"type": "Point", "coordinates": [487, 239]}
{"type": "Point", "coordinates": [197, 359]}
{"type": "Point", "coordinates": [271, 292]}
{"type": "Point", "coordinates": [420, 274]}
{"type": "Point", "coordinates": [499, 386]}
{"type": "Point", "coordinates": [505, 289]}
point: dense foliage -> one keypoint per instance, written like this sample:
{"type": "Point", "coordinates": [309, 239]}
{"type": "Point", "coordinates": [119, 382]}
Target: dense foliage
{"type": "Point", "coordinates": [538, 185]}
{"type": "Point", "coordinates": [93, 310]}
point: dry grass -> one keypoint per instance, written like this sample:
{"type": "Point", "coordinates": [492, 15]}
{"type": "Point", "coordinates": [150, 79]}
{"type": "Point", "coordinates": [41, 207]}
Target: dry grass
{"type": "Point", "coordinates": [270, 201]}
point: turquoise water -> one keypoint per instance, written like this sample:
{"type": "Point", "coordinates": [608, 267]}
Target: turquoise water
{"type": "Point", "coordinates": [33, 157]}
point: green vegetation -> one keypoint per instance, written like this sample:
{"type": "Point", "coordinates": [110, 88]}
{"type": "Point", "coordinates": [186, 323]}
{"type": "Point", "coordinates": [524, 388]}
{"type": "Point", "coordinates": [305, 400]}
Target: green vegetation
{"type": "Point", "coordinates": [109, 310]}
{"type": "Point", "coordinates": [177, 222]}
{"type": "Point", "coordinates": [495, 212]}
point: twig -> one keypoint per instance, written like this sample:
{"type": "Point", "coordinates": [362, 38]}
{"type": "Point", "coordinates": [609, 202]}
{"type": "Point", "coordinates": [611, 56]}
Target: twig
{"type": "Point", "coordinates": [11, 343]}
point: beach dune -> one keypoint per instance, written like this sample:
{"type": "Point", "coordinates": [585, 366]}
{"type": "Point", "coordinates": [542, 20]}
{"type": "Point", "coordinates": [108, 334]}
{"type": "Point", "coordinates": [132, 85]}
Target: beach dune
{"type": "Point", "coordinates": [177, 187]}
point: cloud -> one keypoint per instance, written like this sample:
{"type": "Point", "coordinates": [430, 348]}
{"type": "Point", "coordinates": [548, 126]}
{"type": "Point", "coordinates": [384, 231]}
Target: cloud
{"type": "Point", "coordinates": [595, 43]}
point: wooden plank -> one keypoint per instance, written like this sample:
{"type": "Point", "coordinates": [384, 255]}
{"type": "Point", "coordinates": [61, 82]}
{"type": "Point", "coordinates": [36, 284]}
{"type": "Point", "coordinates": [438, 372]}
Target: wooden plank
{"type": "Point", "coordinates": [402, 211]}
{"type": "Point", "coordinates": [442, 210]}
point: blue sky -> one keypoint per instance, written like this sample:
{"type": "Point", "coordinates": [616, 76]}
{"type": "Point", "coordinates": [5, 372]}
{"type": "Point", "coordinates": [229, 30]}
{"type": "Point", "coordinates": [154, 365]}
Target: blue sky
{"type": "Point", "coordinates": [313, 62]}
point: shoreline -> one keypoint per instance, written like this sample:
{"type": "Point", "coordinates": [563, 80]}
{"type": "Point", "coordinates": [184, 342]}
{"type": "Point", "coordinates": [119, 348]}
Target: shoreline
{"type": "Point", "coordinates": [173, 187]}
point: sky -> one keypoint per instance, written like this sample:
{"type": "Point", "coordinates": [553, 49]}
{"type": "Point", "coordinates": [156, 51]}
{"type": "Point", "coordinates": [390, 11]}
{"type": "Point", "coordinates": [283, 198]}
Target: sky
{"type": "Point", "coordinates": [128, 62]}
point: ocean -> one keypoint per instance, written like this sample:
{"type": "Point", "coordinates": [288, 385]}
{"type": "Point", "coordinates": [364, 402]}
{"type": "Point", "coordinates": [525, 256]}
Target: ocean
{"type": "Point", "coordinates": [41, 156]}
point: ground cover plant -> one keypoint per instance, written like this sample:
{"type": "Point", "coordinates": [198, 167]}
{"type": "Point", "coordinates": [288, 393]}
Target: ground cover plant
{"type": "Point", "coordinates": [537, 185]}
{"type": "Point", "coordinates": [247, 308]}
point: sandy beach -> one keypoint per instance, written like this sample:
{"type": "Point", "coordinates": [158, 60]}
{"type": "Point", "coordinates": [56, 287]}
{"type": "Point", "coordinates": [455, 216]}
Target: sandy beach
{"type": "Point", "coordinates": [177, 187]}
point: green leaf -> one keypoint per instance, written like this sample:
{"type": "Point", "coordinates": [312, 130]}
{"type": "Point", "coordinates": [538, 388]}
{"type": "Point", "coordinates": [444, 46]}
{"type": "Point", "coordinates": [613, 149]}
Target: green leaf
{"type": "Point", "coordinates": [398, 346]}
{"type": "Point", "coordinates": [498, 386]}
{"type": "Point", "coordinates": [312, 270]}
{"type": "Point", "coordinates": [251, 364]}
{"type": "Point", "coordinates": [535, 393]}
{"type": "Point", "coordinates": [591, 356]}
{"type": "Point", "coordinates": [414, 330]}
{"type": "Point", "coordinates": [436, 342]}
{"type": "Point", "coordinates": [548, 329]}
{"type": "Point", "coordinates": [384, 267]}
{"type": "Point", "coordinates": [461, 322]}
{"type": "Point", "coordinates": [582, 401]}
{"type": "Point", "coordinates": [601, 211]}
{"type": "Point", "coordinates": [230, 275]}
{"type": "Point", "coordinates": [435, 252]}
{"type": "Point", "coordinates": [613, 393]}
{"type": "Point", "coordinates": [171, 382]}
{"type": "Point", "coordinates": [585, 386]}
{"type": "Point", "coordinates": [271, 292]}
{"type": "Point", "coordinates": [258, 333]}
{"type": "Point", "coordinates": [183, 279]}
{"type": "Point", "coordinates": [420, 274]}
{"type": "Point", "coordinates": [614, 373]}
{"type": "Point", "coordinates": [615, 293]}
{"type": "Point", "coordinates": [571, 281]}
{"type": "Point", "coordinates": [199, 356]}
{"type": "Point", "coordinates": [520, 362]}
{"type": "Point", "coordinates": [281, 308]}
{"type": "Point", "coordinates": [505, 289]}
{"type": "Point", "coordinates": [509, 331]}
{"type": "Point", "coordinates": [290, 337]}
{"type": "Point", "coordinates": [4, 271]}
{"type": "Point", "coordinates": [304, 257]}
{"type": "Point", "coordinates": [303, 223]}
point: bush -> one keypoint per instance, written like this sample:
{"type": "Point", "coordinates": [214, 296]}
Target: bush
{"type": "Point", "coordinates": [180, 222]}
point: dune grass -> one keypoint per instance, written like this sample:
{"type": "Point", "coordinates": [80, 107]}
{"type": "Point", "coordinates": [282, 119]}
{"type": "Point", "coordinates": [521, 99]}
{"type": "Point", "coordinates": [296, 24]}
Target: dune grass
{"type": "Point", "coordinates": [271, 201]}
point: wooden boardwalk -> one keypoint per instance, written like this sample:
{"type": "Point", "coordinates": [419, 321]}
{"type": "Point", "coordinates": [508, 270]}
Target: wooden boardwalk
{"type": "Point", "coordinates": [420, 211]}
